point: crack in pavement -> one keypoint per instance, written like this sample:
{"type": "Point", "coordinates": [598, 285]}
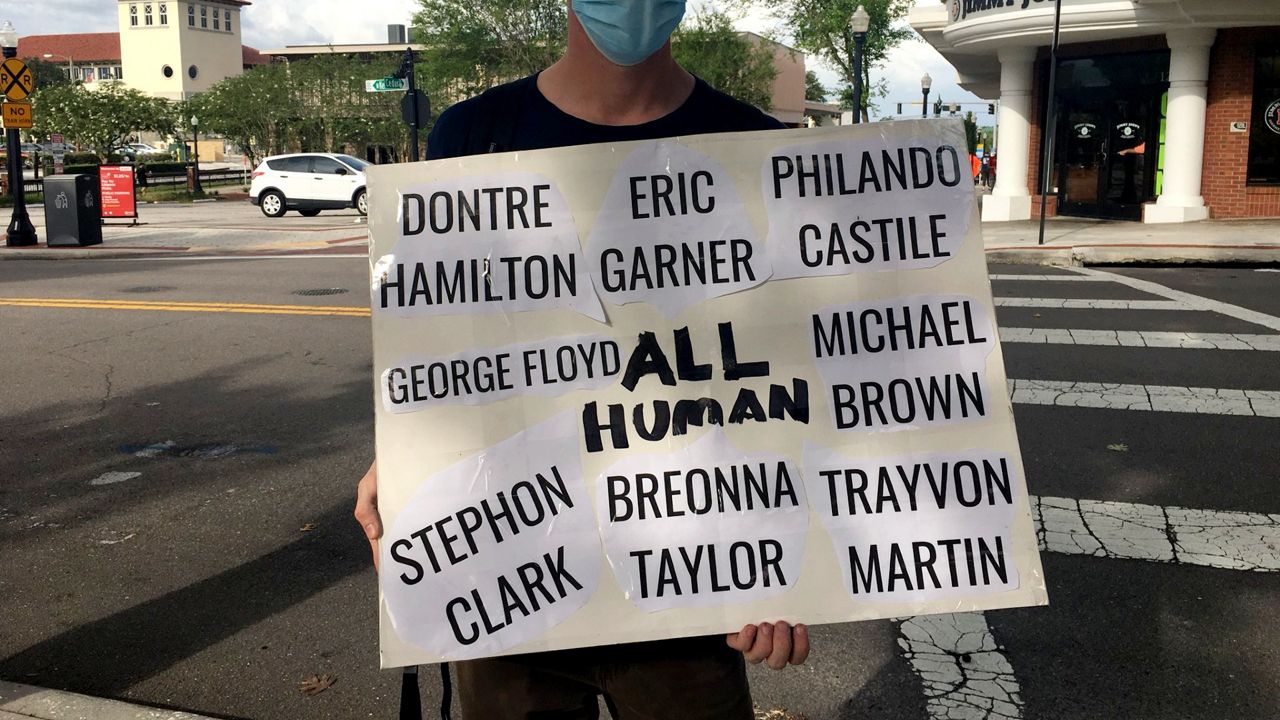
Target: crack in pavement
{"type": "Point", "coordinates": [1141, 339]}
{"type": "Point", "coordinates": [1156, 398]}
{"type": "Point", "coordinates": [1225, 539]}
{"type": "Point", "coordinates": [1091, 304]}
{"type": "Point", "coordinates": [961, 666]}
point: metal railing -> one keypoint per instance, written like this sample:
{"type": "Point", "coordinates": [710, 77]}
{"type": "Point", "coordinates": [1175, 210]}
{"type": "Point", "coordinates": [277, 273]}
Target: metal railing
{"type": "Point", "coordinates": [220, 177]}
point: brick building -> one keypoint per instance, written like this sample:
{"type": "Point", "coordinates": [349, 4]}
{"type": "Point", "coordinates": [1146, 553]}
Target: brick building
{"type": "Point", "coordinates": [1163, 111]}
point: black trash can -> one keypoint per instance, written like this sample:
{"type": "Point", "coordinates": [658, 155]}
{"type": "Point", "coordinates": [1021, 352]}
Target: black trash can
{"type": "Point", "coordinates": [72, 211]}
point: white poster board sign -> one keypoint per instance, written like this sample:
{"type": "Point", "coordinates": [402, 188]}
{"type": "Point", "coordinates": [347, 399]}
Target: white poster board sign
{"type": "Point", "coordinates": [659, 389]}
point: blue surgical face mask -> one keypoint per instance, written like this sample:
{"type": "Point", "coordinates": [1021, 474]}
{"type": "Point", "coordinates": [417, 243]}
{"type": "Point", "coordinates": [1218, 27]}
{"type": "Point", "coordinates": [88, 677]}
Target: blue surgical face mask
{"type": "Point", "coordinates": [628, 31]}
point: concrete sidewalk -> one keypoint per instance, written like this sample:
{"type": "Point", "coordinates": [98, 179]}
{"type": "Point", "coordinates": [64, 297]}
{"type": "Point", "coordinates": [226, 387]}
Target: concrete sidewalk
{"type": "Point", "coordinates": [1080, 241]}
{"type": "Point", "coordinates": [232, 227]}
{"type": "Point", "coordinates": [25, 702]}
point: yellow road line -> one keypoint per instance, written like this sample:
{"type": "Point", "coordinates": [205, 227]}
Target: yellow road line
{"type": "Point", "coordinates": [175, 306]}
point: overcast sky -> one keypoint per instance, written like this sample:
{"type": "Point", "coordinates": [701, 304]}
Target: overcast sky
{"type": "Point", "coordinates": [275, 23]}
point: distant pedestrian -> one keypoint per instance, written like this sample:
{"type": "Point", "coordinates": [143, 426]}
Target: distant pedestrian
{"type": "Point", "coordinates": [975, 166]}
{"type": "Point", "coordinates": [991, 170]}
{"type": "Point", "coordinates": [140, 175]}
{"type": "Point", "coordinates": [984, 174]}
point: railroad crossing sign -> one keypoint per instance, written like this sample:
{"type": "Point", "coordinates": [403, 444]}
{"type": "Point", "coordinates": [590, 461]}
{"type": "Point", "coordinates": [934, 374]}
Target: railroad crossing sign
{"type": "Point", "coordinates": [17, 115]}
{"type": "Point", "coordinates": [16, 79]}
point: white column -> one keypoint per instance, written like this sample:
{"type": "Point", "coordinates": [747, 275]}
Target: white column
{"type": "Point", "coordinates": [1180, 199]}
{"type": "Point", "coordinates": [1010, 200]}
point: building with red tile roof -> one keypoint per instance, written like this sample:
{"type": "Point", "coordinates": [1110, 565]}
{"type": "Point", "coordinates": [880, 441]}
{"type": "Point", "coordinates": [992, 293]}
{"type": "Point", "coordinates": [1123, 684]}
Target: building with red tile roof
{"type": "Point", "coordinates": [167, 49]}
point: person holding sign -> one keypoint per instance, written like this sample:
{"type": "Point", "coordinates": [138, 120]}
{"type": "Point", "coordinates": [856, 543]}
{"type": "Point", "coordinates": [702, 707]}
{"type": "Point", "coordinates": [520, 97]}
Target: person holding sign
{"type": "Point", "coordinates": [616, 82]}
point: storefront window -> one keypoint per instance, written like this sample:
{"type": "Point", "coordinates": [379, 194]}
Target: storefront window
{"type": "Point", "coordinates": [1264, 127]}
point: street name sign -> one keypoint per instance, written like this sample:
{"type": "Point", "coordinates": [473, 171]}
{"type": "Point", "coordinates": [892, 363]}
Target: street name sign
{"type": "Point", "coordinates": [16, 79]}
{"type": "Point", "coordinates": [388, 84]}
{"type": "Point", "coordinates": [17, 115]}
{"type": "Point", "coordinates": [665, 388]}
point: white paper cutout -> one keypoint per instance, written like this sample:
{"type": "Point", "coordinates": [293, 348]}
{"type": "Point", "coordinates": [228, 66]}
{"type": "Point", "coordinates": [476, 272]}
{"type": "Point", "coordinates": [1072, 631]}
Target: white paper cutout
{"type": "Point", "coordinates": [641, 252]}
{"type": "Point", "coordinates": [955, 541]}
{"type": "Point", "coordinates": [935, 376]}
{"type": "Point", "coordinates": [491, 595]}
{"type": "Point", "coordinates": [733, 530]}
{"type": "Point", "coordinates": [547, 368]}
{"type": "Point", "coordinates": [917, 219]}
{"type": "Point", "coordinates": [484, 244]}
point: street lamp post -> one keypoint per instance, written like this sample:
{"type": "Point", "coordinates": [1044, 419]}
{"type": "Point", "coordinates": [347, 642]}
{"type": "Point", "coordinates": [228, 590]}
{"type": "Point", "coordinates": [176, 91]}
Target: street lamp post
{"type": "Point", "coordinates": [926, 82]}
{"type": "Point", "coordinates": [858, 24]}
{"type": "Point", "coordinates": [21, 232]}
{"type": "Point", "coordinates": [71, 68]}
{"type": "Point", "coordinates": [195, 151]}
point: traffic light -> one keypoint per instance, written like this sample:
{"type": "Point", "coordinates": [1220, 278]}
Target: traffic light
{"type": "Point", "coordinates": [991, 108]}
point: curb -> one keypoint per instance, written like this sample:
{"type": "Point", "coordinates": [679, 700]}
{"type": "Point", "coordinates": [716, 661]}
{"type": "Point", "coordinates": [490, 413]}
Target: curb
{"type": "Point", "coordinates": [27, 702]}
{"type": "Point", "coordinates": [1134, 254]}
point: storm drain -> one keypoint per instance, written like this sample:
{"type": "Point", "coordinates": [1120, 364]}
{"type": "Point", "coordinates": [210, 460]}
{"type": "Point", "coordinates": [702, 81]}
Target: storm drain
{"type": "Point", "coordinates": [320, 291]}
{"type": "Point", "coordinates": [148, 289]}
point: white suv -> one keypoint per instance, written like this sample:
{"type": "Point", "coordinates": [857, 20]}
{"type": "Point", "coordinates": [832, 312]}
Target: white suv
{"type": "Point", "coordinates": [309, 183]}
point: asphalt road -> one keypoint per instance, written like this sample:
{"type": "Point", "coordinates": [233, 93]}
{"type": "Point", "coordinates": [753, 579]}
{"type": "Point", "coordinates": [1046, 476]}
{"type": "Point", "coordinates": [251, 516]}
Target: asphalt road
{"type": "Point", "coordinates": [228, 569]}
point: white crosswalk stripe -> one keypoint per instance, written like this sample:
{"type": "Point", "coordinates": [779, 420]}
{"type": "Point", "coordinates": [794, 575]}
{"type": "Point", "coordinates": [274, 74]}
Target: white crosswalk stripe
{"type": "Point", "coordinates": [1215, 538]}
{"type": "Point", "coordinates": [963, 669]}
{"type": "Point", "coordinates": [1092, 304]}
{"type": "Point", "coordinates": [1141, 338]}
{"type": "Point", "coordinates": [1156, 398]}
{"type": "Point", "coordinates": [1196, 302]}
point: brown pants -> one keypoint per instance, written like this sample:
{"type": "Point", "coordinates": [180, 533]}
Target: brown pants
{"type": "Point", "coordinates": [690, 678]}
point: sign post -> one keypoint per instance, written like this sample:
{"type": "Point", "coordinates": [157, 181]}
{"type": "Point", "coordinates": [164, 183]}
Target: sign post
{"type": "Point", "coordinates": [414, 109]}
{"type": "Point", "coordinates": [17, 82]}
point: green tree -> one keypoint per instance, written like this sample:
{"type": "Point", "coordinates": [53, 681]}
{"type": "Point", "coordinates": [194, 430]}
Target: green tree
{"type": "Point", "coordinates": [48, 74]}
{"type": "Point", "coordinates": [99, 119]}
{"type": "Point", "coordinates": [821, 28]}
{"type": "Point", "coordinates": [333, 108]}
{"type": "Point", "coordinates": [252, 110]}
{"type": "Point", "coordinates": [471, 46]}
{"type": "Point", "coordinates": [971, 131]}
{"type": "Point", "coordinates": [813, 89]}
{"type": "Point", "coordinates": [708, 46]}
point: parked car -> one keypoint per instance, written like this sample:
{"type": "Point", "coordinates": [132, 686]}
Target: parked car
{"type": "Point", "coordinates": [309, 183]}
{"type": "Point", "coordinates": [137, 150]}
{"type": "Point", "coordinates": [30, 151]}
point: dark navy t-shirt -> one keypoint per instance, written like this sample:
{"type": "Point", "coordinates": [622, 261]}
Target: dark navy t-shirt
{"type": "Point", "coordinates": [517, 116]}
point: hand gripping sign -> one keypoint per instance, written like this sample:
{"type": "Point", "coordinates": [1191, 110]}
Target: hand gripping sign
{"type": "Point", "coordinates": [659, 389]}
